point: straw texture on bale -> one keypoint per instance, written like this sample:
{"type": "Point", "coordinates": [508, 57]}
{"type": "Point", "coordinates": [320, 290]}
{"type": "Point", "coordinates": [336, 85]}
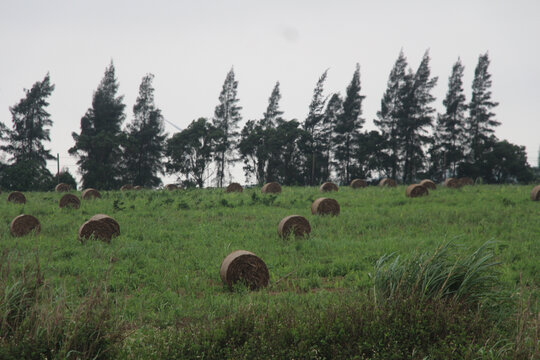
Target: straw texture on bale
{"type": "Point", "coordinates": [271, 188]}
{"type": "Point", "coordinates": [16, 197]}
{"type": "Point", "coordinates": [171, 187]}
{"type": "Point", "coordinates": [358, 183]}
{"type": "Point", "coordinates": [428, 184]}
{"type": "Point", "coordinates": [100, 226]}
{"type": "Point", "coordinates": [70, 200]}
{"type": "Point", "coordinates": [535, 193]}
{"type": "Point", "coordinates": [465, 181]}
{"type": "Point", "coordinates": [24, 224]}
{"type": "Point", "coordinates": [387, 182]}
{"type": "Point", "coordinates": [452, 183]}
{"type": "Point", "coordinates": [234, 187]}
{"type": "Point", "coordinates": [62, 187]}
{"type": "Point", "coordinates": [90, 194]}
{"type": "Point", "coordinates": [244, 267]}
{"type": "Point", "coordinates": [328, 186]}
{"type": "Point", "coordinates": [296, 224]}
{"type": "Point", "coordinates": [416, 190]}
{"type": "Point", "coordinates": [325, 206]}
{"type": "Point", "coordinates": [126, 187]}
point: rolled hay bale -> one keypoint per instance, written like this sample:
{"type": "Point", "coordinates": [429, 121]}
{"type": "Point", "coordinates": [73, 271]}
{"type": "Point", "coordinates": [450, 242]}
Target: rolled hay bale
{"type": "Point", "coordinates": [234, 187]}
{"type": "Point", "coordinates": [24, 224]}
{"type": "Point", "coordinates": [452, 183]}
{"type": "Point", "coordinates": [126, 187]}
{"type": "Point", "coordinates": [171, 187]}
{"type": "Point", "coordinates": [245, 267]}
{"type": "Point", "coordinates": [358, 183]}
{"type": "Point", "coordinates": [465, 181]}
{"type": "Point", "coordinates": [16, 197]}
{"type": "Point", "coordinates": [62, 187]}
{"type": "Point", "coordinates": [100, 226]}
{"type": "Point", "coordinates": [70, 200]}
{"type": "Point", "coordinates": [387, 182]}
{"type": "Point", "coordinates": [535, 193]}
{"type": "Point", "coordinates": [271, 188]}
{"type": "Point", "coordinates": [325, 206]}
{"type": "Point", "coordinates": [296, 224]}
{"type": "Point", "coordinates": [416, 190]}
{"type": "Point", "coordinates": [428, 184]}
{"type": "Point", "coordinates": [328, 186]}
{"type": "Point", "coordinates": [90, 193]}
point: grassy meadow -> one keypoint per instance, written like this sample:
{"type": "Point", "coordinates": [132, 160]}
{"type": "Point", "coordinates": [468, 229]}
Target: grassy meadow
{"type": "Point", "coordinates": [155, 291]}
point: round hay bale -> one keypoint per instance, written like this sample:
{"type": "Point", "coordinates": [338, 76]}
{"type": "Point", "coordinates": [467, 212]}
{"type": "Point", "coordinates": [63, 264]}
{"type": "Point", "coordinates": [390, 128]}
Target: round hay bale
{"type": "Point", "coordinates": [296, 224]}
{"type": "Point", "coordinates": [325, 206]}
{"type": "Point", "coordinates": [100, 226]}
{"type": "Point", "coordinates": [62, 187]}
{"type": "Point", "coordinates": [16, 197]}
{"type": "Point", "coordinates": [465, 181]}
{"type": "Point", "coordinates": [271, 188]}
{"type": "Point", "coordinates": [138, 187]}
{"type": "Point", "coordinates": [358, 183]}
{"type": "Point", "coordinates": [535, 193]}
{"type": "Point", "coordinates": [452, 183]}
{"type": "Point", "coordinates": [245, 267]}
{"type": "Point", "coordinates": [171, 187]}
{"type": "Point", "coordinates": [428, 184]}
{"type": "Point", "coordinates": [24, 224]}
{"type": "Point", "coordinates": [90, 194]}
{"type": "Point", "coordinates": [234, 187]}
{"type": "Point", "coordinates": [126, 187]}
{"type": "Point", "coordinates": [70, 200]}
{"type": "Point", "coordinates": [388, 182]}
{"type": "Point", "coordinates": [416, 190]}
{"type": "Point", "coordinates": [328, 186]}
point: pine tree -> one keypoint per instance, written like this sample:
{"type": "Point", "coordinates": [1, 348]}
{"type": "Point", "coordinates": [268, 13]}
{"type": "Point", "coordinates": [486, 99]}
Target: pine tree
{"type": "Point", "coordinates": [272, 111]}
{"type": "Point", "coordinates": [143, 148]}
{"type": "Point", "coordinates": [226, 118]}
{"type": "Point", "coordinates": [98, 145]}
{"type": "Point", "coordinates": [333, 111]}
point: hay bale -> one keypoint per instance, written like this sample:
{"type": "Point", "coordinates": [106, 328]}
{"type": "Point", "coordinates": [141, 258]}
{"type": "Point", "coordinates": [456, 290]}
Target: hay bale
{"type": "Point", "coordinates": [358, 183]}
{"type": "Point", "coordinates": [70, 200]}
{"type": "Point", "coordinates": [126, 187]}
{"type": "Point", "coordinates": [296, 224]}
{"type": "Point", "coordinates": [328, 186]}
{"type": "Point", "coordinates": [452, 183]}
{"type": "Point", "coordinates": [100, 226]}
{"type": "Point", "coordinates": [271, 188]}
{"type": "Point", "coordinates": [90, 194]}
{"type": "Point", "coordinates": [234, 187]}
{"type": "Point", "coordinates": [535, 193]}
{"type": "Point", "coordinates": [62, 187]}
{"type": "Point", "coordinates": [171, 187]}
{"type": "Point", "coordinates": [138, 187]}
{"type": "Point", "coordinates": [428, 184]}
{"type": "Point", "coordinates": [387, 182]}
{"type": "Point", "coordinates": [16, 197]}
{"type": "Point", "coordinates": [245, 267]}
{"type": "Point", "coordinates": [24, 224]}
{"type": "Point", "coordinates": [416, 190]}
{"type": "Point", "coordinates": [465, 181]}
{"type": "Point", "coordinates": [325, 206]}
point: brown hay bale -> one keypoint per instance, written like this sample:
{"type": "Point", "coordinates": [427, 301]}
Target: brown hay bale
{"type": "Point", "coordinates": [416, 190]}
{"type": "Point", "coordinates": [245, 267]}
{"type": "Point", "coordinates": [387, 182]}
{"type": "Point", "coordinates": [90, 194]}
{"type": "Point", "coordinates": [328, 186]}
{"type": "Point", "coordinates": [234, 187]}
{"type": "Point", "coordinates": [428, 184]}
{"type": "Point", "coordinates": [358, 183]}
{"type": "Point", "coordinates": [294, 223]}
{"type": "Point", "coordinates": [100, 226]}
{"type": "Point", "coordinates": [171, 187]}
{"type": "Point", "coordinates": [325, 206]}
{"type": "Point", "coordinates": [16, 197]}
{"type": "Point", "coordinates": [465, 181]}
{"type": "Point", "coordinates": [70, 200]}
{"type": "Point", "coordinates": [452, 183]}
{"type": "Point", "coordinates": [271, 188]}
{"type": "Point", "coordinates": [24, 224]}
{"type": "Point", "coordinates": [138, 187]}
{"type": "Point", "coordinates": [62, 187]}
{"type": "Point", "coordinates": [126, 187]}
{"type": "Point", "coordinates": [535, 193]}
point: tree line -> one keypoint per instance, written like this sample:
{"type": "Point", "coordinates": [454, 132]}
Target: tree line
{"type": "Point", "coordinates": [412, 140]}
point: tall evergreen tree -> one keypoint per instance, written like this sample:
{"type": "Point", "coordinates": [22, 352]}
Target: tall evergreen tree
{"type": "Point", "coordinates": [272, 112]}
{"type": "Point", "coordinates": [333, 111]}
{"type": "Point", "coordinates": [226, 118]}
{"type": "Point", "coordinates": [143, 148]}
{"type": "Point", "coordinates": [98, 145]}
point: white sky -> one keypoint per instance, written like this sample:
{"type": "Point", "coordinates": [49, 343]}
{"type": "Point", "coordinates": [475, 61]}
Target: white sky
{"type": "Point", "coordinates": [190, 45]}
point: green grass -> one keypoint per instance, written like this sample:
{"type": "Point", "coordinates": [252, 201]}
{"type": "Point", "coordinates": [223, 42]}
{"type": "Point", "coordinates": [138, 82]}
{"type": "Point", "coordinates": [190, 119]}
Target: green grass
{"type": "Point", "coordinates": [162, 273]}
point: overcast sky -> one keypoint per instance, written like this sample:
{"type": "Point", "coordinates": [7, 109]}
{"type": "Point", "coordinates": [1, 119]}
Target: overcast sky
{"type": "Point", "coordinates": [190, 45]}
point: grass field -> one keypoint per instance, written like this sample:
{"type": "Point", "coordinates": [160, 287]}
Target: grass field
{"type": "Point", "coordinates": [155, 291]}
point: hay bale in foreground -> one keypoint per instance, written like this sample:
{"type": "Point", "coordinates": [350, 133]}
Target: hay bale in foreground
{"type": "Point", "coordinates": [16, 197]}
{"type": "Point", "coordinates": [245, 267]}
{"type": "Point", "coordinates": [328, 186]}
{"type": "Point", "coordinates": [100, 226]}
{"type": "Point", "coordinates": [416, 190]}
{"type": "Point", "coordinates": [234, 187]}
{"type": "Point", "coordinates": [428, 184]}
{"type": "Point", "coordinates": [24, 224]}
{"type": "Point", "coordinates": [465, 181]}
{"type": "Point", "coordinates": [171, 187]}
{"type": "Point", "coordinates": [90, 193]}
{"type": "Point", "coordinates": [271, 188]}
{"type": "Point", "coordinates": [358, 183]}
{"type": "Point", "coordinates": [325, 206]}
{"type": "Point", "coordinates": [69, 200]}
{"type": "Point", "coordinates": [452, 183]}
{"type": "Point", "coordinates": [126, 187]}
{"type": "Point", "coordinates": [296, 224]}
{"type": "Point", "coordinates": [387, 182]}
{"type": "Point", "coordinates": [535, 193]}
{"type": "Point", "coordinates": [62, 187]}
{"type": "Point", "coordinates": [138, 187]}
